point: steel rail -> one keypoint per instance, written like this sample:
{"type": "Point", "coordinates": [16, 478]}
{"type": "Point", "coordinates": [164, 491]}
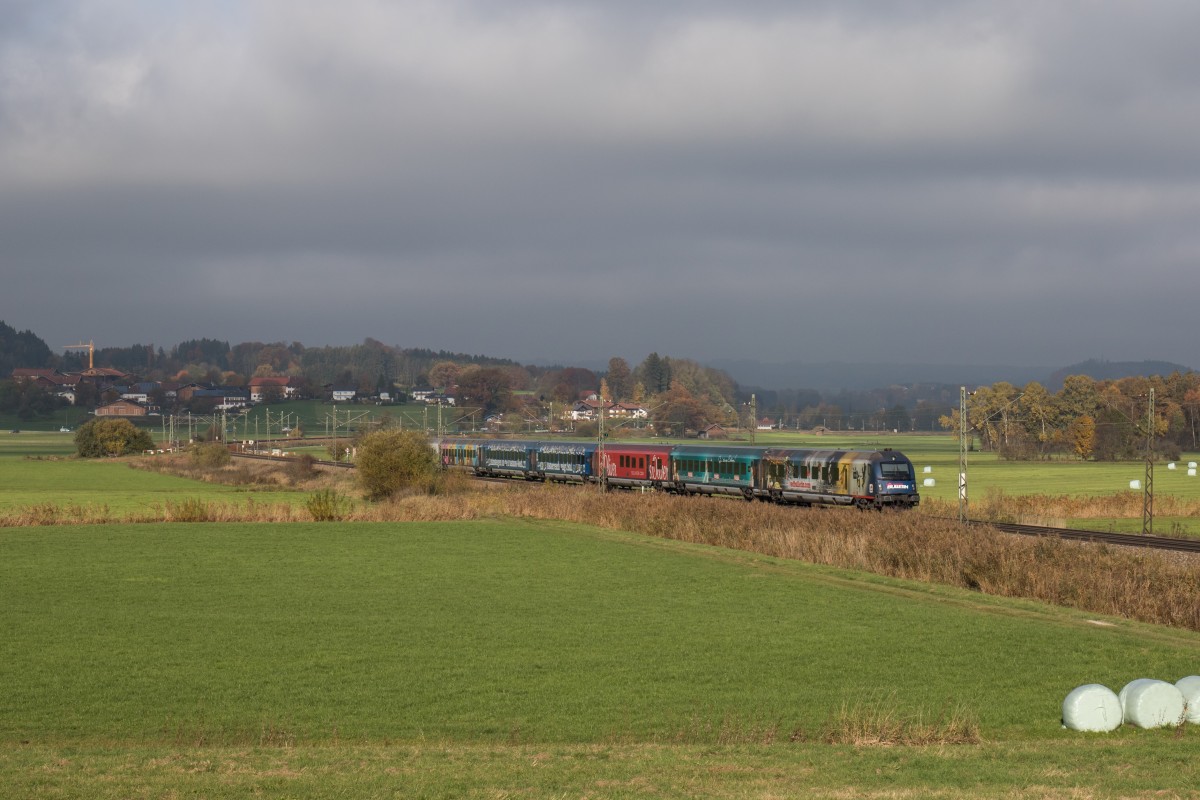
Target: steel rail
{"type": "Point", "coordinates": [1099, 537]}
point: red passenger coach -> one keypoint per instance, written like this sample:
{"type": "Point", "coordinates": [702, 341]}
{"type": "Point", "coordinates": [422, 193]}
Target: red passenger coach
{"type": "Point", "coordinates": [635, 464]}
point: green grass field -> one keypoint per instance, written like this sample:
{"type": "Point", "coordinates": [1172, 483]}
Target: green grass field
{"type": "Point", "coordinates": [506, 658]}
{"type": "Point", "coordinates": [36, 468]}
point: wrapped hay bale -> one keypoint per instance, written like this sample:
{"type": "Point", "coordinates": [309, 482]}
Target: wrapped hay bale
{"type": "Point", "coordinates": [1148, 703]}
{"type": "Point", "coordinates": [1092, 708]}
{"type": "Point", "coordinates": [1190, 688]}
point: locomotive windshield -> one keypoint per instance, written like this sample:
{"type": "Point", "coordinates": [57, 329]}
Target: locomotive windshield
{"type": "Point", "coordinates": [895, 471]}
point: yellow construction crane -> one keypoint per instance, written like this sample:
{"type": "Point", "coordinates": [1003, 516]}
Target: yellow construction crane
{"type": "Point", "coordinates": [90, 347]}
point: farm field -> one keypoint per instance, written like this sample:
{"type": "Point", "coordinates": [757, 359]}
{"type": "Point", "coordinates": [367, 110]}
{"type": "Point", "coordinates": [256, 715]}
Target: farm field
{"type": "Point", "coordinates": [538, 659]}
{"type": "Point", "coordinates": [36, 470]}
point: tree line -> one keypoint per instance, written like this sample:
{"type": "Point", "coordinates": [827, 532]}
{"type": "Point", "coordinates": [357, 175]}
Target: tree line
{"type": "Point", "coordinates": [1103, 420]}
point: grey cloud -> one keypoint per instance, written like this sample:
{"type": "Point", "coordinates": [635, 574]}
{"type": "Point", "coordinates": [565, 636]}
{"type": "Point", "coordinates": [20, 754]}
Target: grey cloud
{"type": "Point", "coordinates": [694, 178]}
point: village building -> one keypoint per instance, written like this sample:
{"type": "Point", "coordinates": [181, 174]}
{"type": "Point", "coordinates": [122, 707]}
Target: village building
{"type": "Point", "coordinates": [122, 408]}
{"type": "Point", "coordinates": [283, 387]}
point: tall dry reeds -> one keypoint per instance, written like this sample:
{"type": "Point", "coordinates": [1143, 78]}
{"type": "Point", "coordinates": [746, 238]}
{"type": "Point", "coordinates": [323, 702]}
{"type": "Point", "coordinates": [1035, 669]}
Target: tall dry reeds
{"type": "Point", "coordinates": [1037, 509]}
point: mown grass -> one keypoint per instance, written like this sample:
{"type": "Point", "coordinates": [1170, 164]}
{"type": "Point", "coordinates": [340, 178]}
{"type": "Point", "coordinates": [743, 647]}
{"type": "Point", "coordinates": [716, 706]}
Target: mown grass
{"type": "Point", "coordinates": [1111, 767]}
{"type": "Point", "coordinates": [539, 659]}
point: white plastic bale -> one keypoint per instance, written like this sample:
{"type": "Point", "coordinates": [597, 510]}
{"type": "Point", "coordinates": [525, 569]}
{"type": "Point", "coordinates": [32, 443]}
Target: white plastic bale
{"type": "Point", "coordinates": [930, 482]}
{"type": "Point", "coordinates": [1189, 687]}
{"type": "Point", "coordinates": [1149, 703]}
{"type": "Point", "coordinates": [1092, 707]}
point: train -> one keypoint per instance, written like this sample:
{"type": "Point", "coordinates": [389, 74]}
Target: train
{"type": "Point", "coordinates": [867, 479]}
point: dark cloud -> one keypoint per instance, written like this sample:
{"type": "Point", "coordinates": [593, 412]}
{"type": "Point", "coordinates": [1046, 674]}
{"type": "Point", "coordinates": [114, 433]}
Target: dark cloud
{"type": "Point", "coordinates": [928, 181]}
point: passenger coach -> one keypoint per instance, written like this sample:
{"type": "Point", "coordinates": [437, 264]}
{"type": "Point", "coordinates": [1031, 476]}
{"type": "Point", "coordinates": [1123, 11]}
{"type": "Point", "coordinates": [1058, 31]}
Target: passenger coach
{"type": "Point", "coordinates": [863, 478]}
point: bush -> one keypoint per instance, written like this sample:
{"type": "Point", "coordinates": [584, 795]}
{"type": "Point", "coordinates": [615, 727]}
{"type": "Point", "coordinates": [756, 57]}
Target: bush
{"type": "Point", "coordinates": [98, 438]}
{"type": "Point", "coordinates": [328, 505]}
{"type": "Point", "coordinates": [189, 509]}
{"type": "Point", "coordinates": [302, 467]}
{"type": "Point", "coordinates": [391, 460]}
{"type": "Point", "coordinates": [210, 455]}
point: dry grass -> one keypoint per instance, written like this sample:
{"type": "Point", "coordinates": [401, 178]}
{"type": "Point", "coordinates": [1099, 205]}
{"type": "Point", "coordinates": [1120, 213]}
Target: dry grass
{"type": "Point", "coordinates": [1037, 509]}
{"type": "Point", "coordinates": [1144, 586]}
{"type": "Point", "coordinates": [873, 723]}
{"type": "Point", "coordinates": [300, 473]}
{"type": "Point", "coordinates": [877, 723]}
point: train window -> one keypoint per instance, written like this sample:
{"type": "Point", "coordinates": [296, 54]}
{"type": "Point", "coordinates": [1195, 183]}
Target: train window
{"type": "Point", "coordinates": [642, 461]}
{"type": "Point", "coordinates": [896, 471]}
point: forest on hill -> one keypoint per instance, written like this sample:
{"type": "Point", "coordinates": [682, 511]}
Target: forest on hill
{"type": "Point", "coordinates": [1086, 417]}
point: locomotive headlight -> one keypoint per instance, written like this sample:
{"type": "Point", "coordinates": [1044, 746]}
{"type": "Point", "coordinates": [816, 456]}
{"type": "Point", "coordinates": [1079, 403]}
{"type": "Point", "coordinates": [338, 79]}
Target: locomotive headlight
{"type": "Point", "coordinates": [871, 488]}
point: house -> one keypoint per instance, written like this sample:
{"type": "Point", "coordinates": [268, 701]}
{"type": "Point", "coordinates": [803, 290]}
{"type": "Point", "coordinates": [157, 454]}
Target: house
{"type": "Point", "coordinates": [138, 392]}
{"type": "Point", "coordinates": [766, 424]}
{"type": "Point", "coordinates": [343, 394]}
{"type": "Point", "coordinates": [628, 411]}
{"type": "Point", "coordinates": [588, 409]}
{"type": "Point", "coordinates": [51, 380]}
{"type": "Point", "coordinates": [185, 392]}
{"type": "Point", "coordinates": [281, 386]}
{"type": "Point", "coordinates": [104, 378]}
{"type": "Point", "coordinates": [225, 397]}
{"type": "Point", "coordinates": [122, 408]}
{"type": "Point", "coordinates": [48, 378]}
{"type": "Point", "coordinates": [714, 431]}
{"type": "Point", "coordinates": [133, 394]}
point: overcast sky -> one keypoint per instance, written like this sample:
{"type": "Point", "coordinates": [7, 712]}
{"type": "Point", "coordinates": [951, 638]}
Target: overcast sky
{"type": "Point", "coordinates": [997, 181]}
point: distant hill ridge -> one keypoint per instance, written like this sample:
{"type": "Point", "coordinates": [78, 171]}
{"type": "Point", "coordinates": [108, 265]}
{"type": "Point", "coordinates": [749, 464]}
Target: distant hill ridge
{"type": "Point", "coordinates": [837, 376]}
{"type": "Point", "coordinates": [1101, 370]}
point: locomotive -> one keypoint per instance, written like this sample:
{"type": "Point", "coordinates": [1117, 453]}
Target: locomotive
{"type": "Point", "coordinates": [863, 478]}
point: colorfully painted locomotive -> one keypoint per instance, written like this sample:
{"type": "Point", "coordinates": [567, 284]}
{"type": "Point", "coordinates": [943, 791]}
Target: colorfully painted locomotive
{"type": "Point", "coordinates": [862, 478]}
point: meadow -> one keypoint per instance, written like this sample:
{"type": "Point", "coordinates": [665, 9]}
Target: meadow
{"type": "Point", "coordinates": [497, 654]}
{"type": "Point", "coordinates": [37, 470]}
{"type": "Point", "coordinates": [539, 659]}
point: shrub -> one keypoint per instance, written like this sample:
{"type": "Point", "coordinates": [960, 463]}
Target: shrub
{"type": "Point", "coordinates": [210, 455]}
{"type": "Point", "coordinates": [391, 460]}
{"type": "Point", "coordinates": [189, 509]}
{"type": "Point", "coordinates": [98, 438]}
{"type": "Point", "coordinates": [328, 505]}
{"type": "Point", "coordinates": [302, 467]}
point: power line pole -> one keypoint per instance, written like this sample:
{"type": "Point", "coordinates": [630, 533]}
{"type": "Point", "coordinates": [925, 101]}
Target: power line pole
{"type": "Point", "coordinates": [753, 419]}
{"type": "Point", "coordinates": [600, 460]}
{"type": "Point", "coordinates": [962, 455]}
{"type": "Point", "coordinates": [1148, 497]}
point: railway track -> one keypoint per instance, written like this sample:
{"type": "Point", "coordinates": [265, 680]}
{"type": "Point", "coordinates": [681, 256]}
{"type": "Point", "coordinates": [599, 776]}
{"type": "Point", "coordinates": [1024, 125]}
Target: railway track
{"type": "Point", "coordinates": [1122, 539]}
{"type": "Point", "coordinates": [265, 457]}
{"type": "Point", "coordinates": [1073, 534]}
